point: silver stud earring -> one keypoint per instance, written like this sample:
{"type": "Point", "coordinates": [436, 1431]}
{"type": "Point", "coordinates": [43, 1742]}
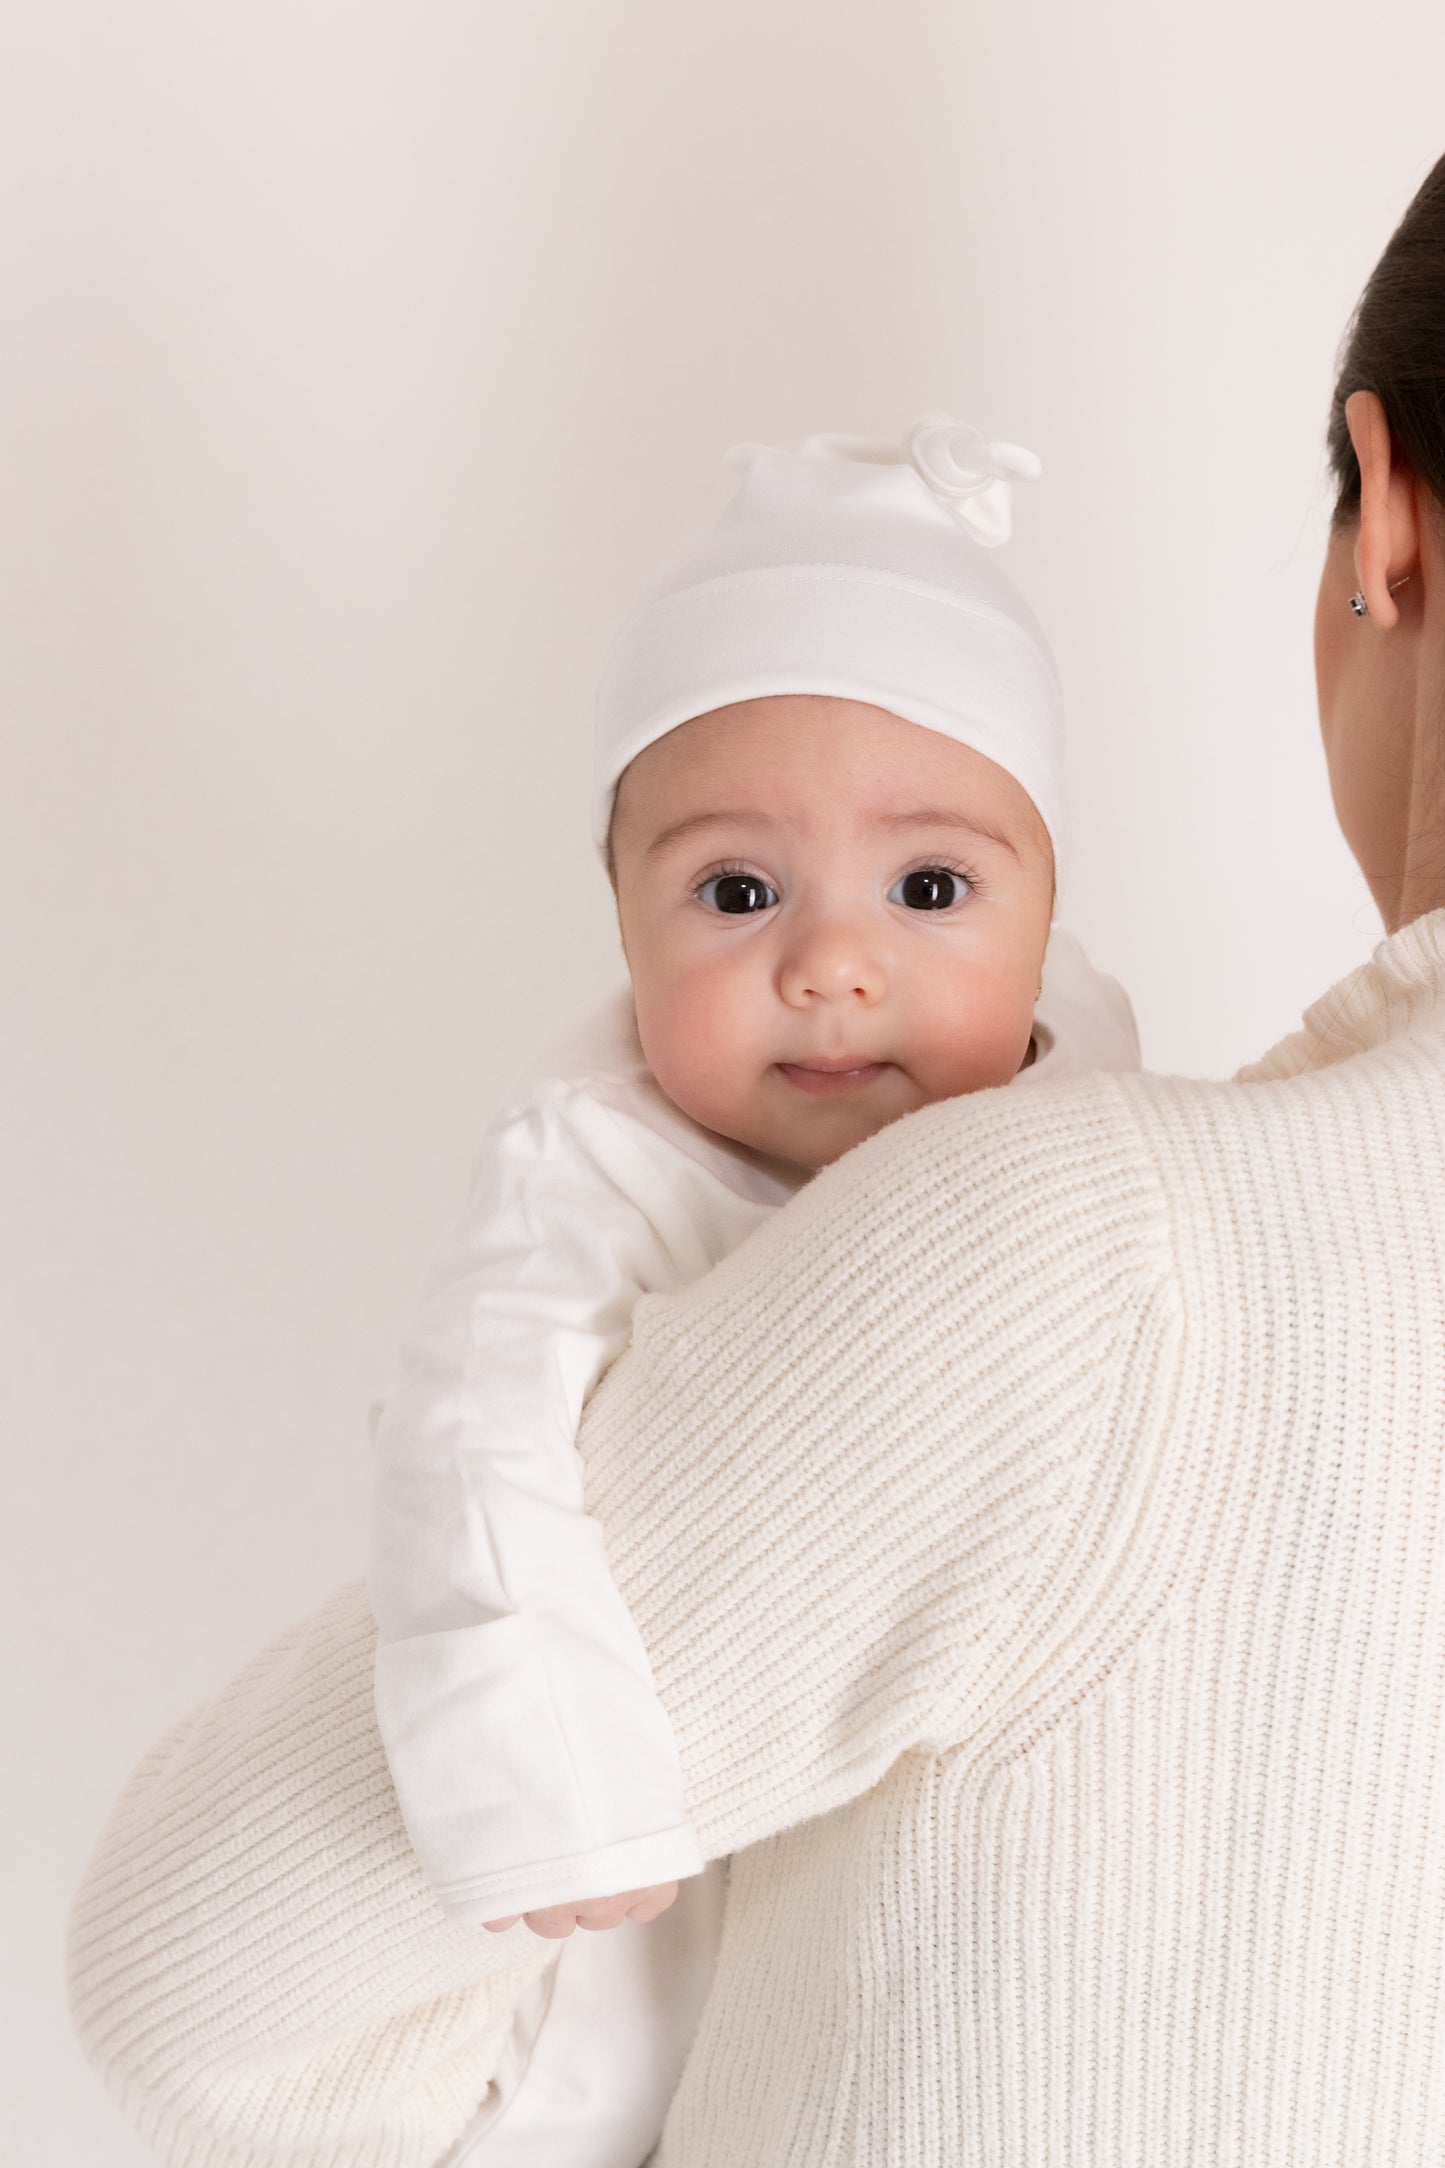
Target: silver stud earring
{"type": "Point", "coordinates": [1358, 603]}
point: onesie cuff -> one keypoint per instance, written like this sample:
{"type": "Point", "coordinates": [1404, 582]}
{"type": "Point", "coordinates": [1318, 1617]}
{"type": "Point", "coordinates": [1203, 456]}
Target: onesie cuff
{"type": "Point", "coordinates": [636, 1863]}
{"type": "Point", "coordinates": [533, 1762]}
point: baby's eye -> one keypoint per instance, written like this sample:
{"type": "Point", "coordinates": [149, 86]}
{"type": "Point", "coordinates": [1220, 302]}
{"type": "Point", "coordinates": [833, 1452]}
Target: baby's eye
{"type": "Point", "coordinates": [929, 888]}
{"type": "Point", "coordinates": [739, 894]}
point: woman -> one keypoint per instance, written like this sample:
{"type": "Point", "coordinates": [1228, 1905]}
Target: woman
{"type": "Point", "coordinates": [1053, 1626]}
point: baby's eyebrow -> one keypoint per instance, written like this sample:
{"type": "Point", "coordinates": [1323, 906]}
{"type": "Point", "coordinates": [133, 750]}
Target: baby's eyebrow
{"type": "Point", "coordinates": [730, 817]}
{"type": "Point", "coordinates": [754, 817]}
{"type": "Point", "coordinates": [931, 816]}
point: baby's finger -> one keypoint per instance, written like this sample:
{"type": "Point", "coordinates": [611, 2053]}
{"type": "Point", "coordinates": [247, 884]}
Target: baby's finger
{"type": "Point", "coordinates": [602, 1912]}
{"type": "Point", "coordinates": [652, 1902]}
{"type": "Point", "coordinates": [553, 1922]}
{"type": "Point", "coordinates": [499, 1927]}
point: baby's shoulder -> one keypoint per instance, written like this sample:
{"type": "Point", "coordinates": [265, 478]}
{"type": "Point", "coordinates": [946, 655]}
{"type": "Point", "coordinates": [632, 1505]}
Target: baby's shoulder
{"type": "Point", "coordinates": [595, 1102]}
{"type": "Point", "coordinates": [597, 1064]}
{"type": "Point", "coordinates": [600, 1050]}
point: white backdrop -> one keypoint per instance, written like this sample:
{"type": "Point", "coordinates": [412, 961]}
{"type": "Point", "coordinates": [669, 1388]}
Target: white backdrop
{"type": "Point", "coordinates": [356, 362]}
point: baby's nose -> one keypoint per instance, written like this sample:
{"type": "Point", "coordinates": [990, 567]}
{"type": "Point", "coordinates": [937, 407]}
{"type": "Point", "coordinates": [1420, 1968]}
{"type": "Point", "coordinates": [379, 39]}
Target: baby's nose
{"type": "Point", "coordinates": [831, 963]}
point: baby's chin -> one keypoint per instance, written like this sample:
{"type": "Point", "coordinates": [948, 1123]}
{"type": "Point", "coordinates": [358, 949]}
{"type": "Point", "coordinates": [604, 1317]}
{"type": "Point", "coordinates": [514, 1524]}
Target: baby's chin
{"type": "Point", "coordinates": [809, 1138]}
{"type": "Point", "coordinates": [792, 1120]}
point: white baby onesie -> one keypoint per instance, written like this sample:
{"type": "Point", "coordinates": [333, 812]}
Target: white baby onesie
{"type": "Point", "coordinates": [532, 1759]}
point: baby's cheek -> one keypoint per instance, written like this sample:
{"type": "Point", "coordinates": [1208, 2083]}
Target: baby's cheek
{"type": "Point", "coordinates": [974, 1043]}
{"type": "Point", "coordinates": [695, 1044]}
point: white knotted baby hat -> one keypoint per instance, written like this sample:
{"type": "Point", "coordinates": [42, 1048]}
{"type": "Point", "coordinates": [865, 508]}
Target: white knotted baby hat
{"type": "Point", "coordinates": [857, 569]}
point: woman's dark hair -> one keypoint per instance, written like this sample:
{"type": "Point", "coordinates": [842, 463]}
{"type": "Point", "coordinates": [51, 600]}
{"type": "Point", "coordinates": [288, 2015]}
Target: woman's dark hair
{"type": "Point", "coordinates": [1395, 347]}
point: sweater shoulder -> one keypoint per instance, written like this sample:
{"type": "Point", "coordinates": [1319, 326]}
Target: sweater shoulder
{"type": "Point", "coordinates": [1059, 1173]}
{"type": "Point", "coordinates": [1280, 1159]}
{"type": "Point", "coordinates": [1006, 1221]}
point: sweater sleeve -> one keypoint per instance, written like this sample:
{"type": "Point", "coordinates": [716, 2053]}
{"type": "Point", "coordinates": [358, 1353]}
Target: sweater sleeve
{"type": "Point", "coordinates": [838, 1473]}
{"type": "Point", "coordinates": [532, 1759]}
{"type": "Point", "coordinates": [257, 1968]}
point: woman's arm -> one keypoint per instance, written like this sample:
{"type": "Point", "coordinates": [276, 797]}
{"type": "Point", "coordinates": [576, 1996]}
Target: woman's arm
{"type": "Point", "coordinates": [839, 1477]}
{"type": "Point", "coordinates": [833, 1478]}
{"type": "Point", "coordinates": [257, 1969]}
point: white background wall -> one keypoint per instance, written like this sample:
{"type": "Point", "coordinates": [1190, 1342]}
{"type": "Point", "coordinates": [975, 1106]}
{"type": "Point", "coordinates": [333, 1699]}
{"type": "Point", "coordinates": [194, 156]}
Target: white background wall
{"type": "Point", "coordinates": [356, 360]}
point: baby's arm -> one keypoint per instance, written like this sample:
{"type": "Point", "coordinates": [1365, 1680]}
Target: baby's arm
{"type": "Point", "coordinates": [532, 1760]}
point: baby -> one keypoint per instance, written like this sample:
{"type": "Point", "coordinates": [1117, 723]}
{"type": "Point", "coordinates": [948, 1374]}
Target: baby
{"type": "Point", "coordinates": [829, 795]}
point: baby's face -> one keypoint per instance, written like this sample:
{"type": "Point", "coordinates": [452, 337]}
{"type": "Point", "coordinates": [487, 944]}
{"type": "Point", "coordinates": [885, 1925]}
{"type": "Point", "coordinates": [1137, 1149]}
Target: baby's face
{"type": "Point", "coordinates": [831, 917]}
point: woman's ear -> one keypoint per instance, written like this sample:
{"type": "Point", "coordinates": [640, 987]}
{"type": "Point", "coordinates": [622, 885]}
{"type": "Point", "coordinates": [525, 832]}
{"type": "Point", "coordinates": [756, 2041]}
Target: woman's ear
{"type": "Point", "coordinates": [1387, 546]}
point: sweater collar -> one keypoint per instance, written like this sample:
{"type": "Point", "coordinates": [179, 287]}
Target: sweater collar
{"type": "Point", "coordinates": [1401, 987]}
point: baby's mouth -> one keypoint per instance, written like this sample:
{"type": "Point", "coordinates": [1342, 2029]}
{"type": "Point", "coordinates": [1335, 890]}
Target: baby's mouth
{"type": "Point", "coordinates": [831, 1079]}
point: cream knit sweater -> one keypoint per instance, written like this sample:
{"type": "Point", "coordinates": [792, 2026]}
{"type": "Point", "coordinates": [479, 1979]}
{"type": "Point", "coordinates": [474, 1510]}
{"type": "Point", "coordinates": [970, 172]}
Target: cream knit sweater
{"type": "Point", "coordinates": [1038, 1531]}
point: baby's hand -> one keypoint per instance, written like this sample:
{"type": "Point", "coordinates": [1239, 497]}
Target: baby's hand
{"type": "Point", "coordinates": [555, 1921]}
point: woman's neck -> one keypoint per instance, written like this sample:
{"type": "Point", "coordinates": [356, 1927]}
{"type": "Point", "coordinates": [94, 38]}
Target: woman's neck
{"type": "Point", "coordinates": [1421, 885]}
{"type": "Point", "coordinates": [1417, 898]}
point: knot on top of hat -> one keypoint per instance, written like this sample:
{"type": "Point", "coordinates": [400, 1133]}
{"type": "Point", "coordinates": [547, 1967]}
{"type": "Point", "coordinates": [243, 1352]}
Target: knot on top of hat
{"type": "Point", "coordinates": [970, 478]}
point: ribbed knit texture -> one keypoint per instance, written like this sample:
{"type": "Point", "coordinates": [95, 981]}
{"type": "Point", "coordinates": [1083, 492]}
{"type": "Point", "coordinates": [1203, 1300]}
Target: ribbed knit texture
{"type": "Point", "coordinates": [254, 1921]}
{"type": "Point", "coordinates": [1036, 1529]}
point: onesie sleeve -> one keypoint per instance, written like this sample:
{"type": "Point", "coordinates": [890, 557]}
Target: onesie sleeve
{"type": "Point", "coordinates": [845, 1476]}
{"type": "Point", "coordinates": [532, 1760]}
